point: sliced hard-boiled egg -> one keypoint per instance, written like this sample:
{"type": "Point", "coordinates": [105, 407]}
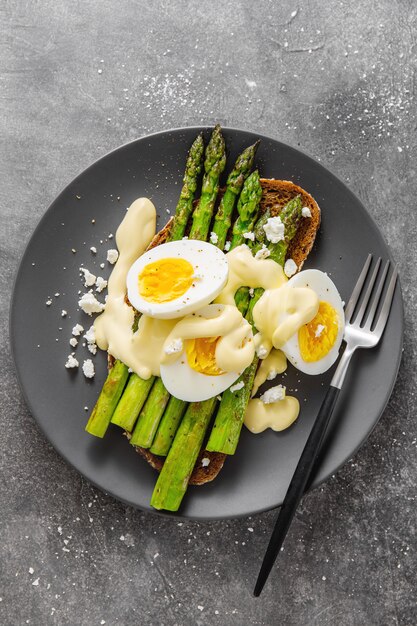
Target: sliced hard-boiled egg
{"type": "Point", "coordinates": [315, 347]}
{"type": "Point", "coordinates": [206, 352]}
{"type": "Point", "coordinates": [176, 278]}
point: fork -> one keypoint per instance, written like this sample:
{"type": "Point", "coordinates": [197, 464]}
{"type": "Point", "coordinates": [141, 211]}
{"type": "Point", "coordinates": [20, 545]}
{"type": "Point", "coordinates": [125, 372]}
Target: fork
{"type": "Point", "coordinates": [360, 333]}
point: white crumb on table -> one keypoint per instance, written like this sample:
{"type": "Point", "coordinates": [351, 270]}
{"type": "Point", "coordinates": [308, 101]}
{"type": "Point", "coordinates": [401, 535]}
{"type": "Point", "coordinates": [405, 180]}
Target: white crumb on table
{"type": "Point", "coordinates": [93, 249]}
{"type": "Point", "coordinates": [71, 362]}
{"type": "Point", "coordinates": [112, 256]}
{"type": "Point", "coordinates": [88, 368]}
{"type": "Point", "coordinates": [89, 304]}
{"type": "Point", "coordinates": [101, 284]}
{"type": "Point", "coordinates": [89, 278]}
{"type": "Point", "coordinates": [77, 330]}
{"type": "Point", "coordinates": [73, 342]}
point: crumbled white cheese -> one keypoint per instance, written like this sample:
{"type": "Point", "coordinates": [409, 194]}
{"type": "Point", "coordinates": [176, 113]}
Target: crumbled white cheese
{"type": "Point", "coordinates": [77, 330]}
{"type": "Point", "coordinates": [249, 235]}
{"type": "Point", "coordinates": [89, 278]}
{"type": "Point", "coordinates": [89, 304]}
{"type": "Point", "coordinates": [236, 387]}
{"type": "Point", "coordinates": [319, 330]}
{"type": "Point", "coordinates": [261, 352]}
{"type": "Point", "coordinates": [88, 368]}
{"type": "Point", "coordinates": [174, 347]}
{"type": "Point", "coordinates": [102, 265]}
{"type": "Point", "coordinates": [92, 347]}
{"type": "Point", "coordinates": [274, 229]}
{"type": "Point", "coordinates": [227, 245]}
{"type": "Point", "coordinates": [263, 253]}
{"type": "Point", "coordinates": [71, 362]}
{"type": "Point", "coordinates": [35, 582]}
{"type": "Point", "coordinates": [101, 284]}
{"type": "Point", "coordinates": [64, 313]}
{"type": "Point", "coordinates": [31, 570]}
{"type": "Point", "coordinates": [213, 237]}
{"type": "Point", "coordinates": [93, 249]}
{"type": "Point", "coordinates": [205, 462]}
{"type": "Point", "coordinates": [290, 267]}
{"type": "Point", "coordinates": [305, 211]}
{"type": "Point", "coordinates": [275, 394]}
{"type": "Point", "coordinates": [271, 374]}
{"type": "Point", "coordinates": [251, 292]}
{"type": "Point", "coordinates": [90, 335]}
{"type": "Point", "coordinates": [73, 342]}
{"type": "Point", "coordinates": [48, 302]}
{"type": "Point", "coordinates": [112, 256]}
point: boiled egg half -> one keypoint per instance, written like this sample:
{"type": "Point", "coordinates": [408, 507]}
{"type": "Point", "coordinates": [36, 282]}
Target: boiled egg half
{"type": "Point", "coordinates": [315, 347]}
{"type": "Point", "coordinates": [176, 278]}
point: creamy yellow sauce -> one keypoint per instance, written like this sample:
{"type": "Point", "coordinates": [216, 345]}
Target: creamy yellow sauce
{"type": "Point", "coordinates": [277, 415]}
{"type": "Point", "coordinates": [234, 350]}
{"type": "Point", "coordinates": [274, 364]}
{"type": "Point", "coordinates": [246, 271]}
{"type": "Point", "coordinates": [280, 312]}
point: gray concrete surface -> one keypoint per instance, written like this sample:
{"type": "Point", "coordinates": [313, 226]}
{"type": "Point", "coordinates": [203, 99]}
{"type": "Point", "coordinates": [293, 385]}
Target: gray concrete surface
{"type": "Point", "coordinates": [337, 79]}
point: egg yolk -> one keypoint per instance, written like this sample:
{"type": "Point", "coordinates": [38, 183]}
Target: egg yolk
{"type": "Point", "coordinates": [201, 355]}
{"type": "Point", "coordinates": [165, 279]}
{"type": "Point", "coordinates": [318, 337]}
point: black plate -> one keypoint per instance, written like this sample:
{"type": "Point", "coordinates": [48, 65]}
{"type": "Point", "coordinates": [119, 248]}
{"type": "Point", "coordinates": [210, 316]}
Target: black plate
{"type": "Point", "coordinates": [257, 477]}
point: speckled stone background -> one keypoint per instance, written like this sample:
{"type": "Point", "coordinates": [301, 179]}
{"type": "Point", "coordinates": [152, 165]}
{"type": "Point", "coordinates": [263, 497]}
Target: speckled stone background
{"type": "Point", "coordinates": [337, 79]}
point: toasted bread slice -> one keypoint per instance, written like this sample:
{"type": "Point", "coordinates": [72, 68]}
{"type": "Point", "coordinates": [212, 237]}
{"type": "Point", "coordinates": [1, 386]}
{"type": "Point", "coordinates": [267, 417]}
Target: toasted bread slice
{"type": "Point", "coordinates": [275, 195]}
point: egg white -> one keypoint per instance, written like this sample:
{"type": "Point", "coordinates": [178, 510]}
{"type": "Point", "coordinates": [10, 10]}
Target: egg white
{"type": "Point", "coordinates": [210, 269]}
{"type": "Point", "coordinates": [327, 292]}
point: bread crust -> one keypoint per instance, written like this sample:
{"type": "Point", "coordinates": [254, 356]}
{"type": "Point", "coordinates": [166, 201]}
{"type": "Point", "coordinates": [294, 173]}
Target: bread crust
{"type": "Point", "coordinates": [275, 195]}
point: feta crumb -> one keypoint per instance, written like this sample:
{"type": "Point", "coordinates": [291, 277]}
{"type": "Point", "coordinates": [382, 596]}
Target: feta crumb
{"type": "Point", "coordinates": [261, 352]}
{"type": "Point", "coordinates": [90, 335]}
{"type": "Point", "coordinates": [89, 278]}
{"type": "Point", "coordinates": [77, 330]}
{"type": "Point", "coordinates": [251, 292]}
{"type": "Point", "coordinates": [112, 256]}
{"type": "Point", "coordinates": [213, 237]}
{"type": "Point", "coordinates": [305, 211]}
{"type": "Point", "coordinates": [73, 342]}
{"type": "Point", "coordinates": [205, 462]}
{"type": "Point", "coordinates": [227, 245]}
{"type": "Point", "coordinates": [110, 236]}
{"type": "Point", "coordinates": [200, 608]}
{"type": "Point", "coordinates": [263, 253]}
{"type": "Point", "coordinates": [174, 347]}
{"type": "Point", "coordinates": [31, 570]}
{"type": "Point", "coordinates": [249, 235]}
{"type": "Point", "coordinates": [236, 387]}
{"type": "Point", "coordinates": [64, 313]}
{"type": "Point", "coordinates": [274, 229]}
{"type": "Point", "coordinates": [102, 265]}
{"type": "Point", "coordinates": [92, 347]}
{"type": "Point", "coordinates": [89, 304]}
{"type": "Point", "coordinates": [290, 267]}
{"type": "Point", "coordinates": [88, 368]}
{"type": "Point", "coordinates": [48, 302]}
{"type": "Point", "coordinates": [271, 374]}
{"type": "Point", "coordinates": [319, 330]}
{"type": "Point", "coordinates": [275, 394]}
{"type": "Point", "coordinates": [101, 284]}
{"type": "Point", "coordinates": [71, 362]}
{"type": "Point", "coordinates": [35, 582]}
{"type": "Point", "coordinates": [93, 249]}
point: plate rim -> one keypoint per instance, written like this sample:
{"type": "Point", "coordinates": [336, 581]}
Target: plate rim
{"type": "Point", "coordinates": [228, 129]}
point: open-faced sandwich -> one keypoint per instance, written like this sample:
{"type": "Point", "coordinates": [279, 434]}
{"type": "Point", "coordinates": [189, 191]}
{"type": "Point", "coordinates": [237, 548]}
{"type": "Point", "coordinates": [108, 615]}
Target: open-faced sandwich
{"type": "Point", "coordinates": [201, 314]}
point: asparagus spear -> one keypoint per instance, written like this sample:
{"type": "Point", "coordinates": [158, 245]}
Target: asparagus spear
{"type": "Point", "coordinates": [225, 434]}
{"type": "Point", "coordinates": [168, 426]}
{"type": "Point", "coordinates": [235, 180]}
{"type": "Point", "coordinates": [138, 391]}
{"type": "Point", "coordinates": [185, 203]}
{"type": "Point", "coordinates": [214, 163]}
{"type": "Point", "coordinates": [246, 206]}
{"type": "Point", "coordinates": [150, 416]}
{"type": "Point", "coordinates": [108, 399]}
{"type": "Point", "coordinates": [215, 160]}
{"type": "Point", "coordinates": [176, 471]}
{"type": "Point", "coordinates": [131, 402]}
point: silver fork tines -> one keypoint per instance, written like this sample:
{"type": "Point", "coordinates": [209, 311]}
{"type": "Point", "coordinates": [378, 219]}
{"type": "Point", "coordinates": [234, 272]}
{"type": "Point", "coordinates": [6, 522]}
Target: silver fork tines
{"type": "Point", "coordinates": [358, 333]}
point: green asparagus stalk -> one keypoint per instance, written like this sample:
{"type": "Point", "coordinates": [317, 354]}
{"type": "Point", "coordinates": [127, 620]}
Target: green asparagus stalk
{"type": "Point", "coordinates": [168, 426]}
{"type": "Point", "coordinates": [131, 402]}
{"type": "Point", "coordinates": [214, 163]}
{"type": "Point", "coordinates": [190, 180]}
{"type": "Point", "coordinates": [138, 390]}
{"type": "Point", "coordinates": [150, 416]}
{"type": "Point", "coordinates": [234, 184]}
{"type": "Point", "coordinates": [225, 433]}
{"type": "Point", "coordinates": [108, 399]}
{"type": "Point", "coordinates": [247, 208]}
{"type": "Point", "coordinates": [179, 464]}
